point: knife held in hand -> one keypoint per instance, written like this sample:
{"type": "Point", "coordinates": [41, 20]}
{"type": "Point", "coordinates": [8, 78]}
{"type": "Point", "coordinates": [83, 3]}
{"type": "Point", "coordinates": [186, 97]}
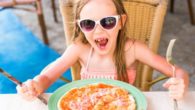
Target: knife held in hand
{"type": "Point", "coordinates": [17, 82]}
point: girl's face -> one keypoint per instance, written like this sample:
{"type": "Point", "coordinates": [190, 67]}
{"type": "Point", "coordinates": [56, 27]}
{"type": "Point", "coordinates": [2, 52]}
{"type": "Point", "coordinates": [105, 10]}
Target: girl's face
{"type": "Point", "coordinates": [103, 35]}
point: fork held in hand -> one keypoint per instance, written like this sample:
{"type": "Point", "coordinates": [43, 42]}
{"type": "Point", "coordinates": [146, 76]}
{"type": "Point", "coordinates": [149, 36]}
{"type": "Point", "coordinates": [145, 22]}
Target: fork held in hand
{"type": "Point", "coordinates": [170, 60]}
{"type": "Point", "coordinates": [174, 100]}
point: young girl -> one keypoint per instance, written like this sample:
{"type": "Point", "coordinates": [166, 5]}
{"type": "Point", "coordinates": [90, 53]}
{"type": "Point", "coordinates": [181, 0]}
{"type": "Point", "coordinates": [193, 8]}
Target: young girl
{"type": "Point", "coordinates": [104, 51]}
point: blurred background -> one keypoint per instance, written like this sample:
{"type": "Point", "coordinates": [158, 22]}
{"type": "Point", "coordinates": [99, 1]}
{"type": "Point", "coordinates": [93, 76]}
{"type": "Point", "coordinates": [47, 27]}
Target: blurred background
{"type": "Point", "coordinates": [177, 25]}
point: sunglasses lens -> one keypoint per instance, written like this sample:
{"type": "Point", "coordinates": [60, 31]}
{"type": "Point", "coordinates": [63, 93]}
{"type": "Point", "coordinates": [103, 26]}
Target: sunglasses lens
{"type": "Point", "coordinates": [108, 23]}
{"type": "Point", "coordinates": [87, 25]}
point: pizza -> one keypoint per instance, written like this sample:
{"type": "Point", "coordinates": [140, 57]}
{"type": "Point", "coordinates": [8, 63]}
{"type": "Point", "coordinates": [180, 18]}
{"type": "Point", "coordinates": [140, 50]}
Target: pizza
{"type": "Point", "coordinates": [97, 96]}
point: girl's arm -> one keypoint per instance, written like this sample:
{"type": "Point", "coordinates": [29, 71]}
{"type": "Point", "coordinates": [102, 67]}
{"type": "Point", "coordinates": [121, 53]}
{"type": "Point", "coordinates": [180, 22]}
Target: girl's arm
{"type": "Point", "coordinates": [34, 87]}
{"type": "Point", "coordinates": [54, 70]}
{"type": "Point", "coordinates": [145, 55]}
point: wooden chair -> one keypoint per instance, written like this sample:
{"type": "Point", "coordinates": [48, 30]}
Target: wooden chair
{"type": "Point", "coordinates": [190, 8]}
{"type": "Point", "coordinates": [54, 10]}
{"type": "Point", "coordinates": [146, 22]}
{"type": "Point", "coordinates": [37, 9]}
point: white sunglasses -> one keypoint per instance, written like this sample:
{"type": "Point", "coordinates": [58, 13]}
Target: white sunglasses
{"type": "Point", "coordinates": [108, 22]}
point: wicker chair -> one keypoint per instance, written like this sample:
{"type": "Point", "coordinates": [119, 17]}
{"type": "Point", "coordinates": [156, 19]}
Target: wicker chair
{"type": "Point", "coordinates": [146, 21]}
{"type": "Point", "coordinates": [38, 10]}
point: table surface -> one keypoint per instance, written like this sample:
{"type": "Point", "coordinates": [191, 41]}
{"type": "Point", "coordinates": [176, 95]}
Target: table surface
{"type": "Point", "coordinates": [156, 101]}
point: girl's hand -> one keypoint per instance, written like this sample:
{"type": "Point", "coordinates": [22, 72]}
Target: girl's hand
{"type": "Point", "coordinates": [29, 90]}
{"type": "Point", "coordinates": [176, 88]}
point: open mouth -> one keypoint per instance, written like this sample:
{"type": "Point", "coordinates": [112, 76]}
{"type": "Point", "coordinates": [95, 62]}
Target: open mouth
{"type": "Point", "coordinates": [101, 42]}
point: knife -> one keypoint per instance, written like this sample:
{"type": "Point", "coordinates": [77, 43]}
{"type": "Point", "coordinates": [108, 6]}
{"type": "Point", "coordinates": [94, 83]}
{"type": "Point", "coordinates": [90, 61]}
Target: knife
{"type": "Point", "coordinates": [170, 60]}
{"type": "Point", "coordinates": [17, 82]}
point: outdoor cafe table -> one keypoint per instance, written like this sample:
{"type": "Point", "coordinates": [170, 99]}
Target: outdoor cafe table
{"type": "Point", "coordinates": [156, 101]}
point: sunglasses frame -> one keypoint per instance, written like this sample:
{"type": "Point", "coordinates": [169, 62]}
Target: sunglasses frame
{"type": "Point", "coordinates": [117, 17]}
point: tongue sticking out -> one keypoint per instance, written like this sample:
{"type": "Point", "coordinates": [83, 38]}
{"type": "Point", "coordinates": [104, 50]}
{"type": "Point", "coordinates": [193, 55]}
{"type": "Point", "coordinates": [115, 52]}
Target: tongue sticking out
{"type": "Point", "coordinates": [101, 43]}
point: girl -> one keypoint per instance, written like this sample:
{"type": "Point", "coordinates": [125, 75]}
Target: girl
{"type": "Point", "coordinates": [102, 48]}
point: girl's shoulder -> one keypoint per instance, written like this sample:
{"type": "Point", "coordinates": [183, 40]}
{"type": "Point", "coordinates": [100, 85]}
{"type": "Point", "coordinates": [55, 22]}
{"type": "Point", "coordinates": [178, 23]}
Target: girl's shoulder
{"type": "Point", "coordinates": [132, 47]}
{"type": "Point", "coordinates": [129, 44]}
{"type": "Point", "coordinates": [133, 43]}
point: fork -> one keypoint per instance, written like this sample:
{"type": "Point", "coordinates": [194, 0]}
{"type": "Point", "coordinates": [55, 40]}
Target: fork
{"type": "Point", "coordinates": [174, 100]}
{"type": "Point", "coordinates": [170, 61]}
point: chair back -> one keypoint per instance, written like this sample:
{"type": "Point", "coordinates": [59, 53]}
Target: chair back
{"type": "Point", "coordinates": [145, 23]}
{"type": "Point", "coordinates": [67, 12]}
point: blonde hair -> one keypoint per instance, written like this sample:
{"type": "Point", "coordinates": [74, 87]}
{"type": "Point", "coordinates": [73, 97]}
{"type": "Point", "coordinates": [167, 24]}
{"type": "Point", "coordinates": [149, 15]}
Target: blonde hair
{"type": "Point", "coordinates": [119, 53]}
